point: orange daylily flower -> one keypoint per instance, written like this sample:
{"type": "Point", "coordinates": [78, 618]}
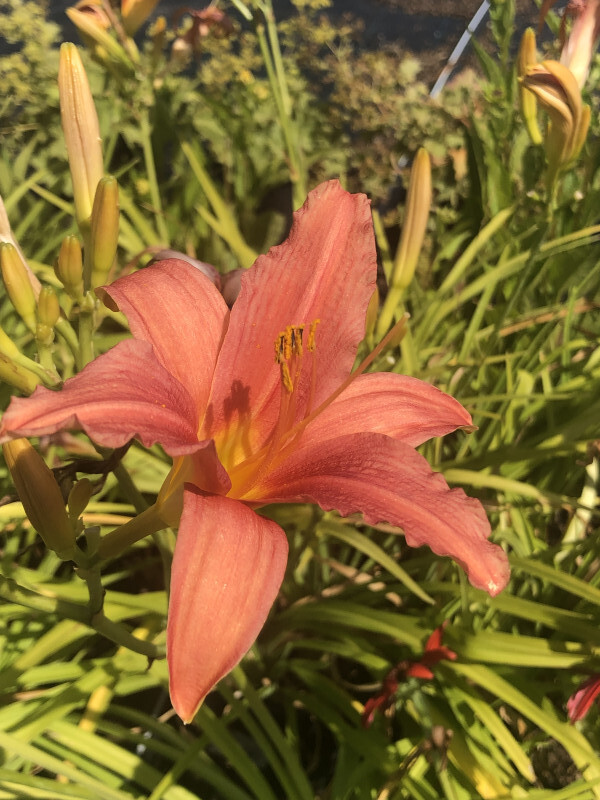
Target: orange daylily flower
{"type": "Point", "coordinates": [248, 425]}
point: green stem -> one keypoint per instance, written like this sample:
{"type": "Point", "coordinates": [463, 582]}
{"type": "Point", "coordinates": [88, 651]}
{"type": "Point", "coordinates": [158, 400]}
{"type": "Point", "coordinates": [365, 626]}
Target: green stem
{"type": "Point", "coordinates": [118, 540]}
{"type": "Point", "coordinates": [163, 539]}
{"type": "Point", "coordinates": [49, 378]}
{"type": "Point", "coordinates": [151, 174]}
{"type": "Point", "coordinates": [280, 93]}
{"type": "Point", "coordinates": [120, 635]}
{"type": "Point", "coordinates": [46, 358]}
{"type": "Point", "coordinates": [66, 332]}
{"type": "Point", "coordinates": [13, 593]}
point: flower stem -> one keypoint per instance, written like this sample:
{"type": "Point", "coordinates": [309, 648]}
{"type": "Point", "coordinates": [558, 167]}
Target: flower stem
{"type": "Point", "coordinates": [118, 540]}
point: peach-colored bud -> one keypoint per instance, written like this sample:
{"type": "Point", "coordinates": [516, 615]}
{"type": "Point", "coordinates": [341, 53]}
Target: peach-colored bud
{"type": "Point", "coordinates": [41, 497]}
{"type": "Point", "coordinates": [135, 12]}
{"type": "Point", "coordinates": [81, 130]}
{"type": "Point", "coordinates": [418, 203]}
{"type": "Point", "coordinates": [106, 47]}
{"type": "Point", "coordinates": [104, 229]}
{"type": "Point", "coordinates": [18, 286]}
{"type": "Point", "coordinates": [558, 93]}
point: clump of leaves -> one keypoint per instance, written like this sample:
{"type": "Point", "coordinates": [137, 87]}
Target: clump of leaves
{"type": "Point", "coordinates": [28, 70]}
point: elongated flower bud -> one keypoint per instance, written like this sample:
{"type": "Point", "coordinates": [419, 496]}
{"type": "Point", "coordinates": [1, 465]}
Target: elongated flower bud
{"type": "Point", "coordinates": [557, 91]}
{"type": "Point", "coordinates": [527, 58]}
{"type": "Point", "coordinates": [48, 313]}
{"type": "Point", "coordinates": [8, 347]}
{"type": "Point", "coordinates": [40, 495]}
{"type": "Point", "coordinates": [418, 203]}
{"type": "Point", "coordinates": [17, 375]}
{"type": "Point", "coordinates": [69, 267]}
{"type": "Point", "coordinates": [6, 235]}
{"type": "Point", "coordinates": [18, 285]}
{"type": "Point", "coordinates": [135, 12]}
{"type": "Point", "coordinates": [79, 497]}
{"type": "Point", "coordinates": [105, 229]}
{"type": "Point", "coordinates": [81, 130]}
{"type": "Point", "coordinates": [106, 47]}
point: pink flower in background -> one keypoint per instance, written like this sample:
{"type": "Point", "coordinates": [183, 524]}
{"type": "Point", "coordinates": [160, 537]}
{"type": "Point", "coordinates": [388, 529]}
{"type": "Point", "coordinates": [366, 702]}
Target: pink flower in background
{"type": "Point", "coordinates": [582, 700]}
{"type": "Point", "coordinates": [579, 46]}
{"type": "Point", "coordinates": [256, 406]}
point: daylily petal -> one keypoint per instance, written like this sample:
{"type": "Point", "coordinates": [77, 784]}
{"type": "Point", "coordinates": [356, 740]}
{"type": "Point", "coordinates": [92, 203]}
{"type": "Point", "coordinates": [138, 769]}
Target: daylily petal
{"type": "Point", "coordinates": [176, 308]}
{"type": "Point", "coordinates": [401, 407]}
{"type": "Point", "coordinates": [227, 570]}
{"type": "Point", "coordinates": [386, 480]}
{"type": "Point", "coordinates": [122, 394]}
{"type": "Point", "coordinates": [325, 270]}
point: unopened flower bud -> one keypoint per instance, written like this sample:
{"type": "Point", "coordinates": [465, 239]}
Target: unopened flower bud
{"type": "Point", "coordinates": [104, 229]}
{"type": "Point", "coordinates": [81, 130]}
{"type": "Point", "coordinates": [418, 203]}
{"type": "Point", "coordinates": [527, 58]}
{"type": "Point", "coordinates": [6, 235]}
{"type": "Point", "coordinates": [8, 347]}
{"type": "Point", "coordinates": [17, 375]}
{"type": "Point", "coordinates": [18, 285]}
{"type": "Point", "coordinates": [79, 497]}
{"type": "Point", "coordinates": [69, 267]}
{"type": "Point", "coordinates": [48, 307]}
{"type": "Point", "coordinates": [105, 46]}
{"type": "Point", "coordinates": [40, 494]}
{"type": "Point", "coordinates": [135, 12]}
{"type": "Point", "coordinates": [557, 91]}
{"type": "Point", "coordinates": [48, 313]}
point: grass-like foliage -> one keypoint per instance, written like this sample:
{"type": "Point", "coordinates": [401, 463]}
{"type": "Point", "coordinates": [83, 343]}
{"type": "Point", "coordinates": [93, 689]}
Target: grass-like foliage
{"type": "Point", "coordinates": [216, 129]}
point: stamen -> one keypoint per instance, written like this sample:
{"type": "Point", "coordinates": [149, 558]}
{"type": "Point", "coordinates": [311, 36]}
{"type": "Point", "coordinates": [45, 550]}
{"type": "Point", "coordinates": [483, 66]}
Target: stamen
{"type": "Point", "coordinates": [311, 344]}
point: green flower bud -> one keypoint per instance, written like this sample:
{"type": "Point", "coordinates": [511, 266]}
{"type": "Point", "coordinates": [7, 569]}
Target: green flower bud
{"type": "Point", "coordinates": [527, 58]}
{"type": "Point", "coordinates": [17, 375]}
{"type": "Point", "coordinates": [105, 229]}
{"type": "Point", "coordinates": [40, 494]}
{"type": "Point", "coordinates": [48, 307]}
{"type": "Point", "coordinates": [69, 267]}
{"type": "Point", "coordinates": [18, 285]}
{"type": "Point", "coordinates": [79, 497]}
{"type": "Point", "coordinates": [48, 312]}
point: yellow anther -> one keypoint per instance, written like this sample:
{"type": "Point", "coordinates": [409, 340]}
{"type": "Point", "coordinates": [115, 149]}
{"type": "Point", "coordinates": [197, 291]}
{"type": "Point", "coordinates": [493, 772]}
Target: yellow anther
{"type": "Point", "coordinates": [287, 343]}
{"type": "Point", "coordinates": [311, 344]}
